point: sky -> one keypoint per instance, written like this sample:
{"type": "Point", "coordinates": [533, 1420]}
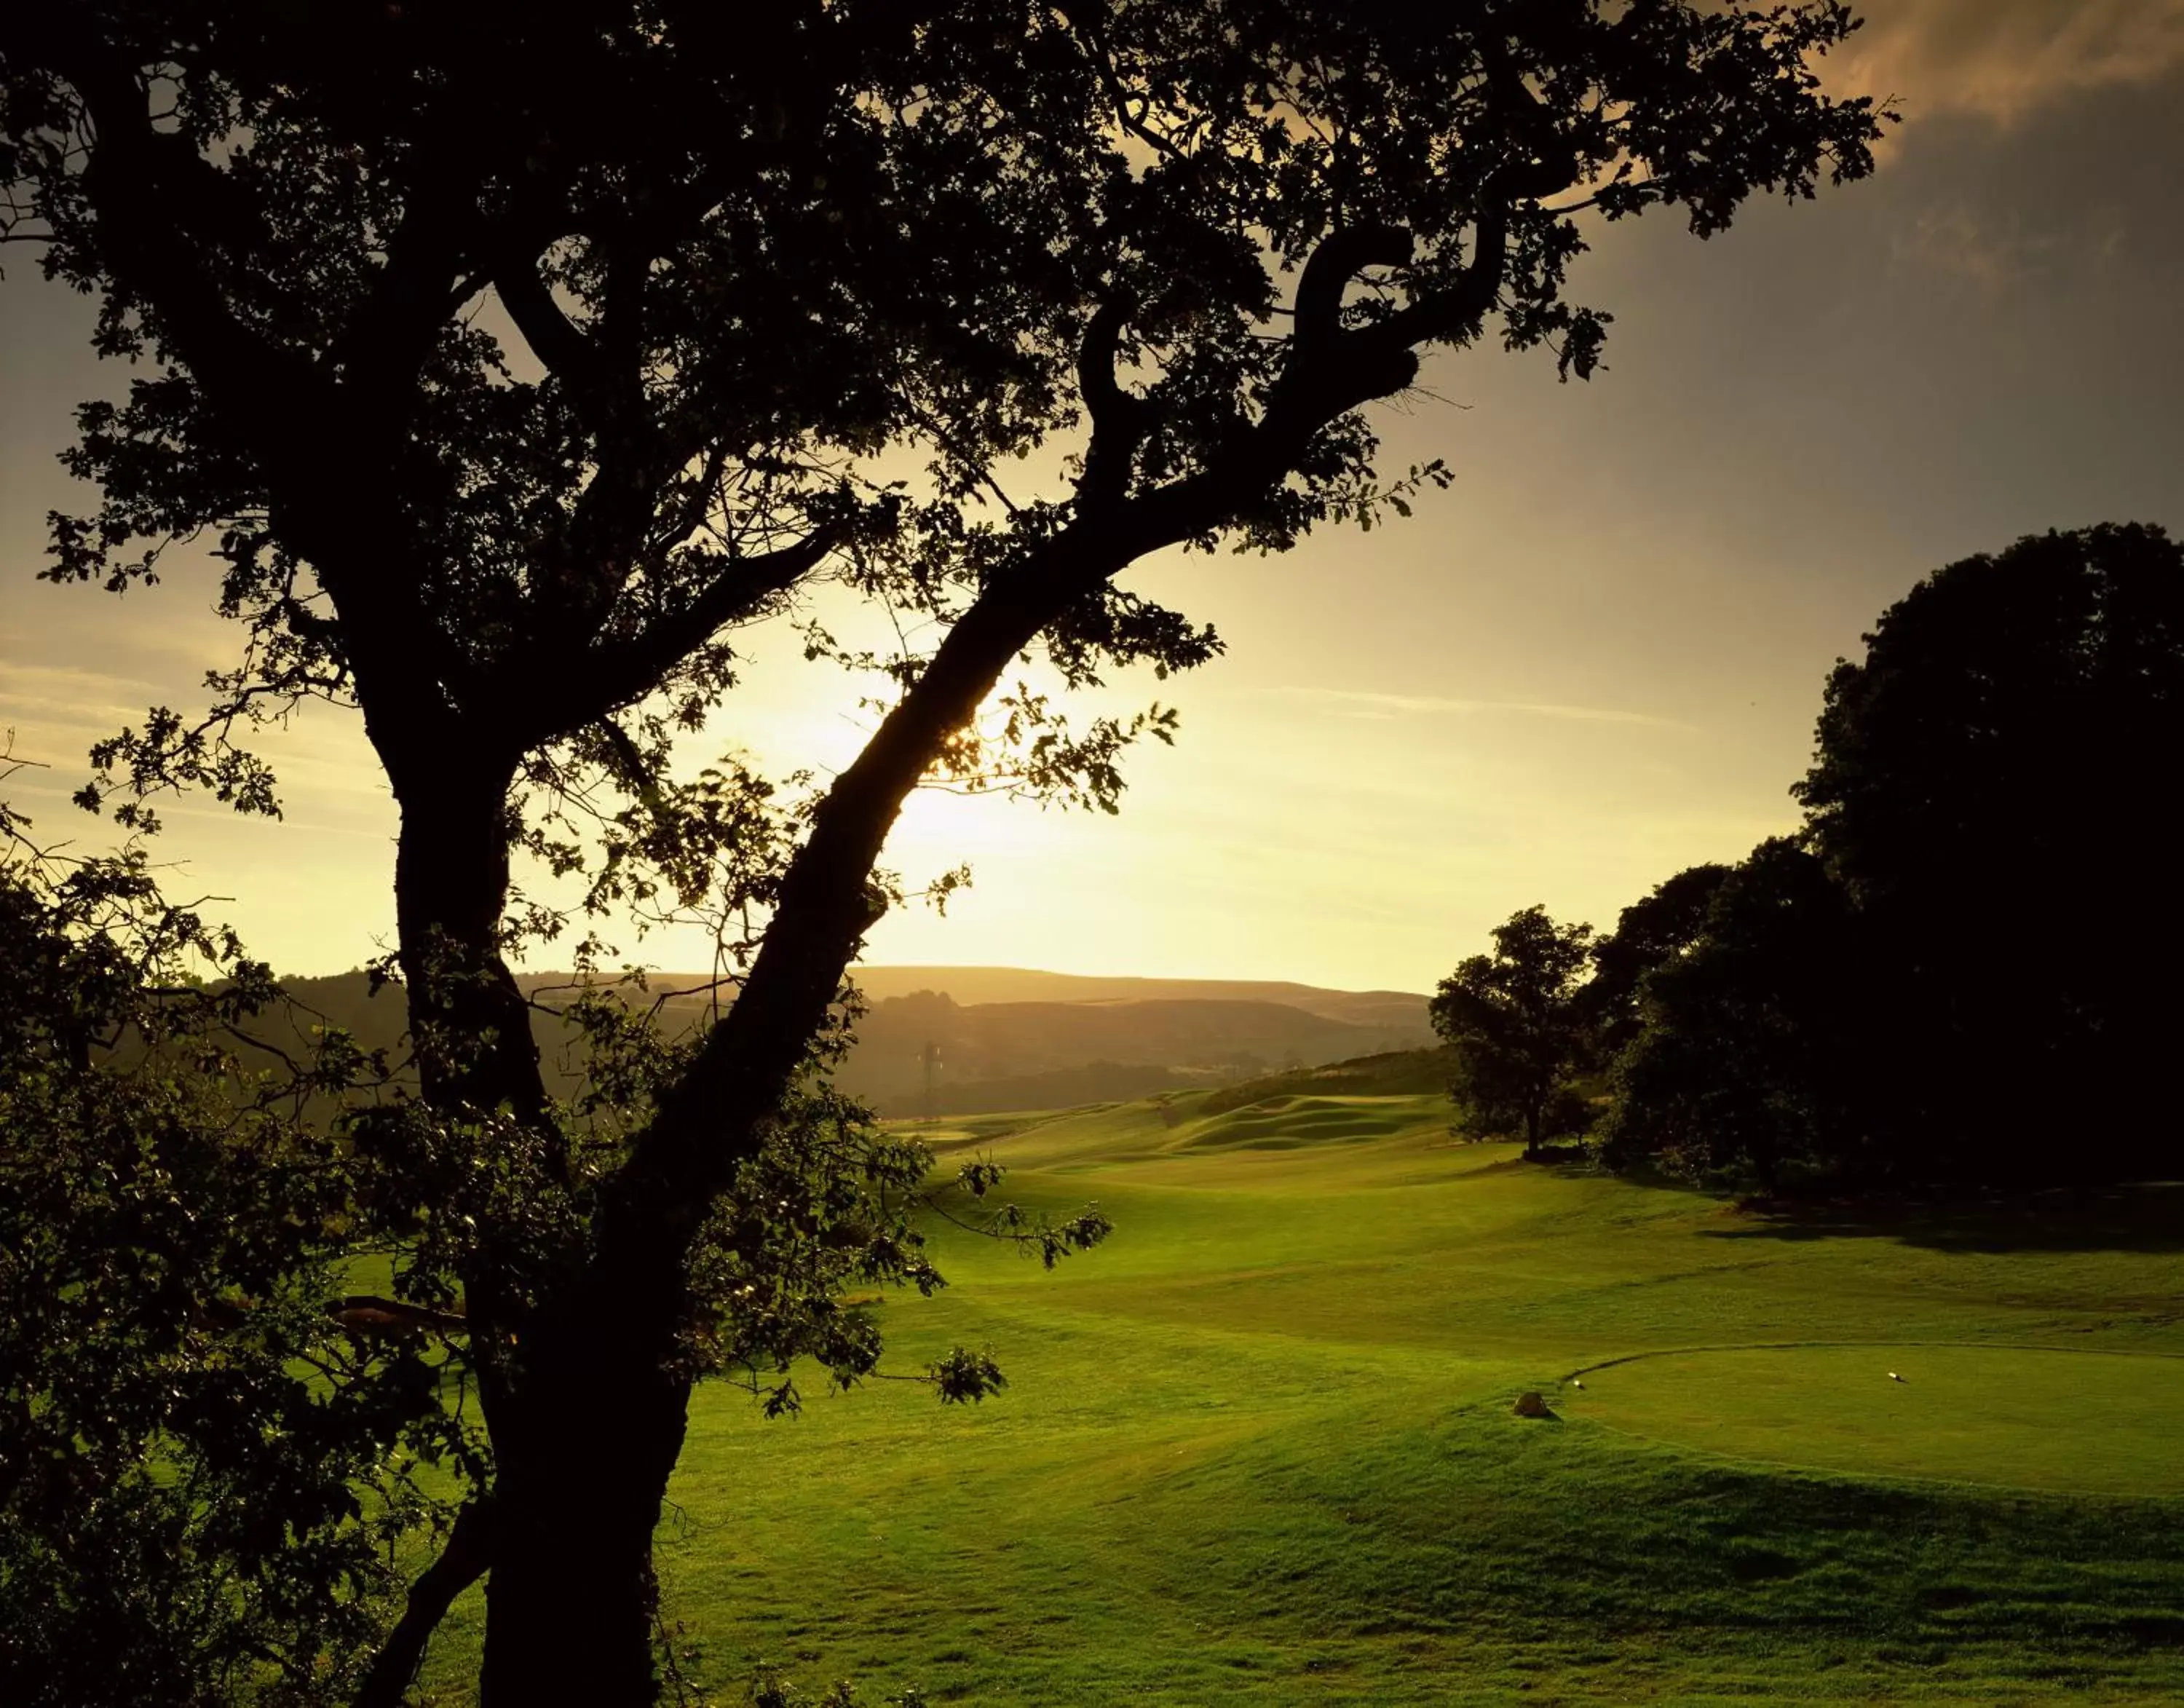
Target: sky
{"type": "Point", "coordinates": [1595, 660]}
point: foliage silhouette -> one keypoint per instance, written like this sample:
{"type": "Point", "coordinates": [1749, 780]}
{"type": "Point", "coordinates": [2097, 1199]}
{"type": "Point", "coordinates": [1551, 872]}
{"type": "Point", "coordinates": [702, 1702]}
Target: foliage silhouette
{"type": "Point", "coordinates": [202, 1470]}
{"type": "Point", "coordinates": [1981, 780]}
{"type": "Point", "coordinates": [213, 1445]}
{"type": "Point", "coordinates": [1747, 1060]}
{"type": "Point", "coordinates": [1649, 932]}
{"type": "Point", "coordinates": [1958, 970]}
{"type": "Point", "coordinates": [788, 296]}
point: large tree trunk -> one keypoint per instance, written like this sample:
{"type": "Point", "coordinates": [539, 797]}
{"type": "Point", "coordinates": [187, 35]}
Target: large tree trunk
{"type": "Point", "coordinates": [589, 1434]}
{"type": "Point", "coordinates": [583, 1449]}
{"type": "Point", "coordinates": [585, 1413]}
{"type": "Point", "coordinates": [585, 1397]}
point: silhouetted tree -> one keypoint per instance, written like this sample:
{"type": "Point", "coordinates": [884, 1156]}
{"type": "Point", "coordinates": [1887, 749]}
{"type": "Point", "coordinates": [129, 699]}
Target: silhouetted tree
{"type": "Point", "coordinates": [1646, 934]}
{"type": "Point", "coordinates": [1984, 788]}
{"type": "Point", "coordinates": [1518, 1029]}
{"type": "Point", "coordinates": [788, 293]}
{"type": "Point", "coordinates": [1748, 1062]}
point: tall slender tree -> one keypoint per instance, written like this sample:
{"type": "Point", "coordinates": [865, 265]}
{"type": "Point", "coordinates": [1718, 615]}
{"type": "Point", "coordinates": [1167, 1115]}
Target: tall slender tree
{"type": "Point", "coordinates": [1519, 1026]}
{"type": "Point", "coordinates": [784, 295]}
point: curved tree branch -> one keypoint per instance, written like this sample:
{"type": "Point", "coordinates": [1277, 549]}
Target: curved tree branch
{"type": "Point", "coordinates": [156, 198]}
{"type": "Point", "coordinates": [1456, 311]}
{"type": "Point", "coordinates": [611, 674]}
{"type": "Point", "coordinates": [562, 347]}
{"type": "Point", "coordinates": [715, 1116]}
{"type": "Point", "coordinates": [466, 1557]}
{"type": "Point", "coordinates": [1327, 274]}
{"type": "Point", "coordinates": [1120, 419]}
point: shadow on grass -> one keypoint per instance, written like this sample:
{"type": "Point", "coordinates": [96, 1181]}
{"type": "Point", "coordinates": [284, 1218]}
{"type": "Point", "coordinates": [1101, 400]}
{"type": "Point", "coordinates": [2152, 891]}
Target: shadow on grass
{"type": "Point", "coordinates": [1566, 1162]}
{"type": "Point", "coordinates": [1521, 1538]}
{"type": "Point", "coordinates": [2146, 1218]}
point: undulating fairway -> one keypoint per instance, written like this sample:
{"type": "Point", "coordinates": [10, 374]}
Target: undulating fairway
{"type": "Point", "coordinates": [1259, 1448]}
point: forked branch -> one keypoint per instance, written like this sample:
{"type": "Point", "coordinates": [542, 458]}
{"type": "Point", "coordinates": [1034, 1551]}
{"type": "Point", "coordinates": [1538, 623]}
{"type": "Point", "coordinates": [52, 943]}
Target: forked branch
{"type": "Point", "coordinates": [613, 673]}
{"type": "Point", "coordinates": [1120, 419]}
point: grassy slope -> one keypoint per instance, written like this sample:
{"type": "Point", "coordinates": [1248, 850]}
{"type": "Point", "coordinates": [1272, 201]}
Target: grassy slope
{"type": "Point", "coordinates": [1259, 1449]}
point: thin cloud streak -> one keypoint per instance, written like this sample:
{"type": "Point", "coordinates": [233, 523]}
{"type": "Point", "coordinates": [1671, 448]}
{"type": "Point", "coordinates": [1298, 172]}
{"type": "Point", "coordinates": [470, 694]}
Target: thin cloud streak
{"type": "Point", "coordinates": [1430, 705]}
{"type": "Point", "coordinates": [1997, 252]}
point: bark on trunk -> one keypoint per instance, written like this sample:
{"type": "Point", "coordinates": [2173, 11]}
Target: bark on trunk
{"type": "Point", "coordinates": [589, 1434]}
{"type": "Point", "coordinates": [586, 1421]}
{"type": "Point", "coordinates": [469, 1022]}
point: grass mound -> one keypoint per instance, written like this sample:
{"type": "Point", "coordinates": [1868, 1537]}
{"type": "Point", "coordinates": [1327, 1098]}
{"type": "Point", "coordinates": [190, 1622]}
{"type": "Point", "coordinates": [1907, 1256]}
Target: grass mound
{"type": "Point", "coordinates": [2032, 1417]}
{"type": "Point", "coordinates": [1286, 1122]}
{"type": "Point", "coordinates": [1396, 1073]}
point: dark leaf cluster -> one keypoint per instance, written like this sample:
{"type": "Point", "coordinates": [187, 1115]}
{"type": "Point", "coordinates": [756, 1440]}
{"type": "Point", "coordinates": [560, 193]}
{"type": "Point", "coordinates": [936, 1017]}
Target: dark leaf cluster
{"type": "Point", "coordinates": [1961, 967]}
{"type": "Point", "coordinates": [205, 1475]}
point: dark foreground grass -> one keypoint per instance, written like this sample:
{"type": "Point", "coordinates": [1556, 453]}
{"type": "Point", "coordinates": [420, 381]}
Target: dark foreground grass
{"type": "Point", "coordinates": [1260, 1450]}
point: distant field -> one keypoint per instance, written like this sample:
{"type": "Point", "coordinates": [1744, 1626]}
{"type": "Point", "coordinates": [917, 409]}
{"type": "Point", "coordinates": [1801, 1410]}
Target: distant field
{"type": "Point", "coordinates": [1259, 1448]}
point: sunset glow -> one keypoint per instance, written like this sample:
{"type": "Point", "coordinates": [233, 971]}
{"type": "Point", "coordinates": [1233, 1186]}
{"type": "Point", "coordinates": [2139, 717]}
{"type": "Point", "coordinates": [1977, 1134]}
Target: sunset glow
{"type": "Point", "coordinates": [1594, 659]}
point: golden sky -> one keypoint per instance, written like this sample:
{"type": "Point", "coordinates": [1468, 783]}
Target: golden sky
{"type": "Point", "coordinates": [1595, 660]}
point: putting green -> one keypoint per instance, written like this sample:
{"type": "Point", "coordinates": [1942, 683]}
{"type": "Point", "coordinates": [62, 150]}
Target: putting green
{"type": "Point", "coordinates": [2084, 1422]}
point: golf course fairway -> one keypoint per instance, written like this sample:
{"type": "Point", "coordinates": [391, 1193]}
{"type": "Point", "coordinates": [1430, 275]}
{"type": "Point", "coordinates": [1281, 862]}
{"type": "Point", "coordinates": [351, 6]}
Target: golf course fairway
{"type": "Point", "coordinates": [1259, 1449]}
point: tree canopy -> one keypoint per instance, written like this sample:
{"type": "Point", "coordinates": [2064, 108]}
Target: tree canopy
{"type": "Point", "coordinates": [1986, 789]}
{"type": "Point", "coordinates": [955, 310]}
{"type": "Point", "coordinates": [188, 1513]}
{"type": "Point", "coordinates": [1748, 1061]}
{"type": "Point", "coordinates": [1959, 969]}
{"type": "Point", "coordinates": [213, 1450]}
{"type": "Point", "coordinates": [1651, 931]}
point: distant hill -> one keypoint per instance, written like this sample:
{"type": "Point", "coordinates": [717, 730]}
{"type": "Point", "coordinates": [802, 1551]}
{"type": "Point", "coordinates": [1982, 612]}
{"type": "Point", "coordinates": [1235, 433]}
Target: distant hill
{"type": "Point", "coordinates": [1402, 1009]}
{"type": "Point", "coordinates": [1075, 1040]}
{"type": "Point", "coordinates": [1197, 1041]}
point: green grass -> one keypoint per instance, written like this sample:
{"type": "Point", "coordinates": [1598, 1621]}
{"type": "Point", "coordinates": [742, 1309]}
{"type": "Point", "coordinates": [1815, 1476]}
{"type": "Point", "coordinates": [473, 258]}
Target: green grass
{"type": "Point", "coordinates": [1259, 1449]}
